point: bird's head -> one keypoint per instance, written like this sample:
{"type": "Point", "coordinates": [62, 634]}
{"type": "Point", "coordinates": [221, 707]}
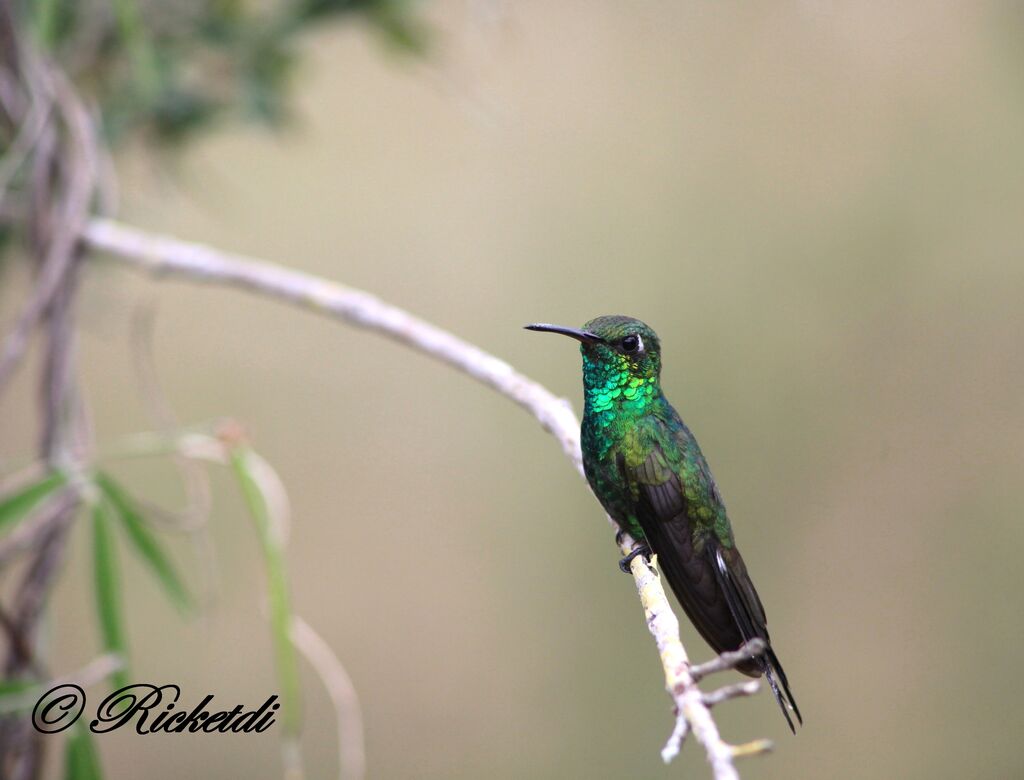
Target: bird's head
{"type": "Point", "coordinates": [616, 349]}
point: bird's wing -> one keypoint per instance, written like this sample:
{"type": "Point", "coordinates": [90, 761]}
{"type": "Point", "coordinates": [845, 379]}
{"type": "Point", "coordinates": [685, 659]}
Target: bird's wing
{"type": "Point", "coordinates": [662, 511]}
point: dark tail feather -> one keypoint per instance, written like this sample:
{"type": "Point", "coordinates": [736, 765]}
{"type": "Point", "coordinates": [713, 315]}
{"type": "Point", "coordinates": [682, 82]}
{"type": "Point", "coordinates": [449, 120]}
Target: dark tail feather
{"type": "Point", "coordinates": [750, 621]}
{"type": "Point", "coordinates": [784, 697]}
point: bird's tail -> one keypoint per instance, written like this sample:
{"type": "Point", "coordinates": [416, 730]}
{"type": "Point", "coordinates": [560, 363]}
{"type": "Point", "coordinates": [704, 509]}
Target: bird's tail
{"type": "Point", "coordinates": [776, 677]}
{"type": "Point", "coordinates": [748, 614]}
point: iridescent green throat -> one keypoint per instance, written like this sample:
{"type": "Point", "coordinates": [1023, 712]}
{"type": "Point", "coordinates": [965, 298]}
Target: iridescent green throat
{"type": "Point", "coordinates": [616, 387]}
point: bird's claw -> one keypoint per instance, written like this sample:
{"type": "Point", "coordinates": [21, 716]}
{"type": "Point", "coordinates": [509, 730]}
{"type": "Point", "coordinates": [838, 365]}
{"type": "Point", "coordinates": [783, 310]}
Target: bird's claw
{"type": "Point", "coordinates": [640, 549]}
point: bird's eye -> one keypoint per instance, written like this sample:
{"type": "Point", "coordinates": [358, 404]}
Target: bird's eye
{"type": "Point", "coordinates": [632, 343]}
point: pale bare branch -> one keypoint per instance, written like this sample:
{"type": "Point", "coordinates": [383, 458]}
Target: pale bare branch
{"type": "Point", "coordinates": [97, 670]}
{"type": "Point", "coordinates": [756, 747]}
{"type": "Point", "coordinates": [727, 692]}
{"type": "Point", "coordinates": [730, 659]}
{"type": "Point", "coordinates": [351, 752]}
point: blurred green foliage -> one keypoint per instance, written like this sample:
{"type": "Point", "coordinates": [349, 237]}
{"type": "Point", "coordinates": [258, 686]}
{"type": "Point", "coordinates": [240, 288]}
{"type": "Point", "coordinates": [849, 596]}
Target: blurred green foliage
{"type": "Point", "coordinates": [145, 542]}
{"type": "Point", "coordinates": [107, 586]}
{"type": "Point", "coordinates": [170, 69]}
{"type": "Point", "coordinates": [16, 505]}
{"type": "Point", "coordinates": [80, 759]}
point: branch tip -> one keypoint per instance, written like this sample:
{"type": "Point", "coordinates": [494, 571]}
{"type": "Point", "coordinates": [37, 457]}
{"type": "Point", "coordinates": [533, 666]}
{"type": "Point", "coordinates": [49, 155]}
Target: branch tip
{"type": "Point", "coordinates": [757, 747]}
{"type": "Point", "coordinates": [729, 659]}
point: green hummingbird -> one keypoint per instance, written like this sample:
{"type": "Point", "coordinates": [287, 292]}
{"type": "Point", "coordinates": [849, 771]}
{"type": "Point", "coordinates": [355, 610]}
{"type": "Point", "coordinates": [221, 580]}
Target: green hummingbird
{"type": "Point", "coordinates": [647, 470]}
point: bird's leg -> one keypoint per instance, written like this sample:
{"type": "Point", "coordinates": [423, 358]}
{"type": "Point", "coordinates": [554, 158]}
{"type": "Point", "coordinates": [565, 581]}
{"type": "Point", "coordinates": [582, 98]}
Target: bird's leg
{"type": "Point", "coordinates": [640, 549]}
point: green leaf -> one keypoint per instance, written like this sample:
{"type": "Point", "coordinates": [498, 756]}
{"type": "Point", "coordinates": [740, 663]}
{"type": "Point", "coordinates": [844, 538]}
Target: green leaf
{"type": "Point", "coordinates": [15, 687]}
{"type": "Point", "coordinates": [18, 695]}
{"type": "Point", "coordinates": [242, 461]}
{"type": "Point", "coordinates": [107, 582]}
{"type": "Point", "coordinates": [15, 506]}
{"type": "Point", "coordinates": [145, 543]}
{"type": "Point", "coordinates": [133, 31]}
{"type": "Point", "coordinates": [400, 28]}
{"type": "Point", "coordinates": [81, 761]}
{"type": "Point", "coordinates": [54, 21]}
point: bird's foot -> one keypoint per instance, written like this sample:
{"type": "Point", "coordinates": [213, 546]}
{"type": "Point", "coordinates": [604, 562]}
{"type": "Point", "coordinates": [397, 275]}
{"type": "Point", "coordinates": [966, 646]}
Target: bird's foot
{"type": "Point", "coordinates": [640, 549]}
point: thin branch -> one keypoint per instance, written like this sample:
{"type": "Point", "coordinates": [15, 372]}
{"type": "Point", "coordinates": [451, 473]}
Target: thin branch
{"type": "Point", "coordinates": [165, 256]}
{"type": "Point", "coordinates": [756, 747]}
{"type": "Point", "coordinates": [97, 670]}
{"type": "Point", "coordinates": [65, 226]}
{"type": "Point", "coordinates": [675, 739]}
{"type": "Point", "coordinates": [730, 659]}
{"type": "Point", "coordinates": [351, 753]}
{"type": "Point", "coordinates": [22, 145]}
{"type": "Point", "coordinates": [19, 648]}
{"type": "Point", "coordinates": [734, 691]}
{"type": "Point", "coordinates": [194, 517]}
{"type": "Point", "coordinates": [170, 257]}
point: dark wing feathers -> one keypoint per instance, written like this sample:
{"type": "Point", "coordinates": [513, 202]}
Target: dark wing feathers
{"type": "Point", "coordinates": [666, 525]}
{"type": "Point", "coordinates": [711, 583]}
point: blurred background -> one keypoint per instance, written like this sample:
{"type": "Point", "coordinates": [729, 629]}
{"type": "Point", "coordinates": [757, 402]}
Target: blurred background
{"type": "Point", "coordinates": [819, 208]}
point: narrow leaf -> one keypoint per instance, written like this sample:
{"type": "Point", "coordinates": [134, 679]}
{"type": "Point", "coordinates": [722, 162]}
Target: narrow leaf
{"type": "Point", "coordinates": [18, 695]}
{"type": "Point", "coordinates": [242, 461]}
{"type": "Point", "coordinates": [18, 504]}
{"type": "Point", "coordinates": [145, 543]}
{"type": "Point", "coordinates": [80, 759]}
{"type": "Point", "coordinates": [10, 688]}
{"type": "Point", "coordinates": [107, 582]}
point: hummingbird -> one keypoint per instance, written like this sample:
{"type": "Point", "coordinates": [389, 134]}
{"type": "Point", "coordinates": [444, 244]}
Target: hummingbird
{"type": "Point", "coordinates": [647, 470]}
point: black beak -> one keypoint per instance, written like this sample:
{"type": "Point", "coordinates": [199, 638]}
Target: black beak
{"type": "Point", "coordinates": [583, 336]}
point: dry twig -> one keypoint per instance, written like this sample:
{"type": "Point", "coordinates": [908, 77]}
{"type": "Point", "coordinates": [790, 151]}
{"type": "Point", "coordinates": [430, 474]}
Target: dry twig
{"type": "Point", "coordinates": [351, 752]}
